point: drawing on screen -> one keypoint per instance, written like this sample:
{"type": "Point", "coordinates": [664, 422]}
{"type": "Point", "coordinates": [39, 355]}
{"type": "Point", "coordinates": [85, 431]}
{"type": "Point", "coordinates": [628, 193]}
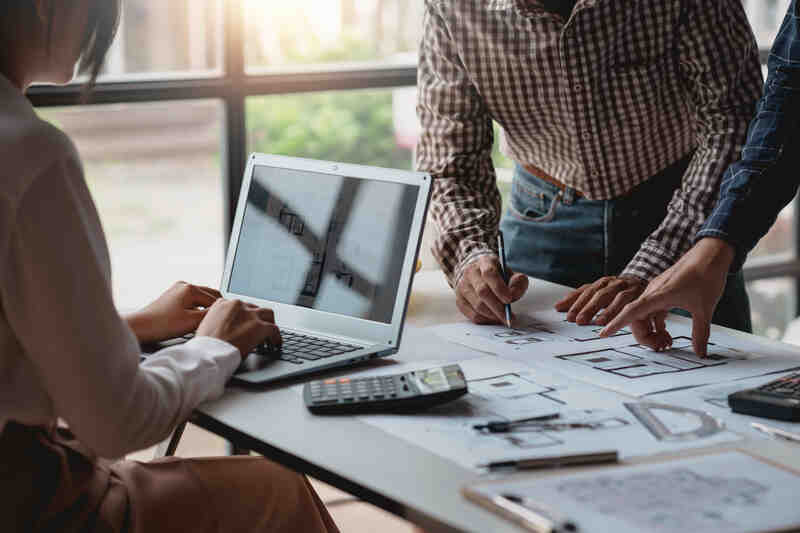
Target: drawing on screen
{"type": "Point", "coordinates": [679, 499]}
{"type": "Point", "coordinates": [291, 221]}
{"type": "Point", "coordinates": [637, 361]}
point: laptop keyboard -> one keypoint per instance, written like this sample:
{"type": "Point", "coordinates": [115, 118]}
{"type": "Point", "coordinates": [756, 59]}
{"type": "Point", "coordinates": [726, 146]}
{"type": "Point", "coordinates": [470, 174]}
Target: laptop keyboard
{"type": "Point", "coordinates": [298, 348]}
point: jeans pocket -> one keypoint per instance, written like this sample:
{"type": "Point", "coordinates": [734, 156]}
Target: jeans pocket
{"type": "Point", "coordinates": [539, 208]}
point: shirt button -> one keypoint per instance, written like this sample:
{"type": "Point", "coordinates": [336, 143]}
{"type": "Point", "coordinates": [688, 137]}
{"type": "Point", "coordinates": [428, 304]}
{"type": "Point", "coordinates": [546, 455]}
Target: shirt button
{"type": "Point", "coordinates": [586, 134]}
{"type": "Point", "coordinates": [578, 87]}
{"type": "Point", "coordinates": [595, 173]}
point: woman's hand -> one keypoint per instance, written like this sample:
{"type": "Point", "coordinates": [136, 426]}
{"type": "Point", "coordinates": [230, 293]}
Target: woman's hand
{"type": "Point", "coordinates": [243, 325]}
{"type": "Point", "coordinates": [176, 312]}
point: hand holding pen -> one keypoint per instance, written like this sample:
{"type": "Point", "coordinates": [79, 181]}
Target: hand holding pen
{"type": "Point", "coordinates": [482, 292]}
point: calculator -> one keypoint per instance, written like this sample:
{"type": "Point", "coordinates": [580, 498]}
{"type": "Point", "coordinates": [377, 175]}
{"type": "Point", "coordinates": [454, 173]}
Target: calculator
{"type": "Point", "coordinates": [410, 391]}
{"type": "Point", "coordinates": [778, 399]}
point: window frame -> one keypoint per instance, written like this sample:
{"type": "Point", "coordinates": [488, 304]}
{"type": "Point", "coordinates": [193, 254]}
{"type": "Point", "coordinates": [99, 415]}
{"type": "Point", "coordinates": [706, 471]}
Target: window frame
{"type": "Point", "coordinates": [234, 85]}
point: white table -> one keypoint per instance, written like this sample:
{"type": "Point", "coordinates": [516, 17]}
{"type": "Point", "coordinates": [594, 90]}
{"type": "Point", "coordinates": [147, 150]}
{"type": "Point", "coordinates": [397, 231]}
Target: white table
{"type": "Point", "coordinates": [372, 465]}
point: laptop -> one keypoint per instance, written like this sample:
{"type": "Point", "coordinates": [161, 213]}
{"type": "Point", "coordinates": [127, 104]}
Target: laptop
{"type": "Point", "coordinates": [331, 248]}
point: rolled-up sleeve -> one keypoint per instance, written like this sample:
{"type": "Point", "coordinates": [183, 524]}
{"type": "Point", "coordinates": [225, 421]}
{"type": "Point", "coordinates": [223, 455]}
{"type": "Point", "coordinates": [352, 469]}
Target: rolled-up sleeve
{"type": "Point", "coordinates": [720, 65]}
{"type": "Point", "coordinates": [455, 147]}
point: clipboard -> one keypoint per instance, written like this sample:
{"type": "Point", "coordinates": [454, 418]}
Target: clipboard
{"type": "Point", "coordinates": [753, 493]}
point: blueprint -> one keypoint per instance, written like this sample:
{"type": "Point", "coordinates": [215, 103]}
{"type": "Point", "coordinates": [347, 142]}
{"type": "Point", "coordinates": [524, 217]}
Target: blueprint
{"type": "Point", "coordinates": [546, 330]}
{"type": "Point", "coordinates": [544, 340]}
{"type": "Point", "coordinates": [731, 492]}
{"type": "Point", "coordinates": [591, 419]}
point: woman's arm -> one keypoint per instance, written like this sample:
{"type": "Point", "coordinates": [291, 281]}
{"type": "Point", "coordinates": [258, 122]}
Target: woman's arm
{"type": "Point", "coordinates": [56, 293]}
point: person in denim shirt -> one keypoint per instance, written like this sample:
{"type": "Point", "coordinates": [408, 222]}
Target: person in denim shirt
{"type": "Point", "coordinates": [753, 192]}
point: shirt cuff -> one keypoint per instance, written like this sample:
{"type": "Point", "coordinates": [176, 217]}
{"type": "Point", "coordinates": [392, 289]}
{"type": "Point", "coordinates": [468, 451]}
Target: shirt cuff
{"type": "Point", "coordinates": [206, 364]}
{"type": "Point", "coordinates": [740, 254]}
{"type": "Point", "coordinates": [458, 273]}
{"type": "Point", "coordinates": [649, 262]}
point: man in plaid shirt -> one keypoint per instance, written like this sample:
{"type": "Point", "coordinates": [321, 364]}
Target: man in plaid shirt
{"type": "Point", "coordinates": [621, 117]}
{"type": "Point", "coordinates": [754, 190]}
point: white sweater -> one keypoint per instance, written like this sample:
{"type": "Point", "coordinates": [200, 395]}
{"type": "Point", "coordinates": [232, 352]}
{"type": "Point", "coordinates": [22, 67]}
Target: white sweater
{"type": "Point", "coordinates": [65, 352]}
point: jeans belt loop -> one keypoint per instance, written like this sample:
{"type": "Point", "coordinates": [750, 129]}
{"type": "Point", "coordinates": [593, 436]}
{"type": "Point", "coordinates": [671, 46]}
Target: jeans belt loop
{"type": "Point", "coordinates": [568, 193]}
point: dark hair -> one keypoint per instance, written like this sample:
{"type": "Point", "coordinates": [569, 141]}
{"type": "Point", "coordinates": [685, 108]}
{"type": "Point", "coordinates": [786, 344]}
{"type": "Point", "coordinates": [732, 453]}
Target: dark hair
{"type": "Point", "coordinates": [104, 16]}
{"type": "Point", "coordinates": [17, 16]}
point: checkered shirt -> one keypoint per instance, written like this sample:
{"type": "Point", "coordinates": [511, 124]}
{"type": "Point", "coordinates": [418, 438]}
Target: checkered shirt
{"type": "Point", "coordinates": [601, 102]}
{"type": "Point", "coordinates": [757, 187]}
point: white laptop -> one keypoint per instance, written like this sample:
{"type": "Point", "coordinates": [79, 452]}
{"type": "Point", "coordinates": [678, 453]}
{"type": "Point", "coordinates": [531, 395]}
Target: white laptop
{"type": "Point", "coordinates": [331, 248]}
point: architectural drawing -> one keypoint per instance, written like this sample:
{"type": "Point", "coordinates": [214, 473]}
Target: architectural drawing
{"type": "Point", "coordinates": [678, 499]}
{"type": "Point", "coordinates": [637, 361]}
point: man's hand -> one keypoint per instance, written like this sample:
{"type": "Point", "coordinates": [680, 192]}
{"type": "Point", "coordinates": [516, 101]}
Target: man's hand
{"type": "Point", "coordinates": [482, 294]}
{"type": "Point", "coordinates": [610, 294]}
{"type": "Point", "coordinates": [176, 312]}
{"type": "Point", "coordinates": [695, 283]}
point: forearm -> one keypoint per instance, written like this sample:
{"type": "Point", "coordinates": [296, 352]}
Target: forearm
{"type": "Point", "coordinates": [465, 219]}
{"type": "Point", "coordinates": [455, 148]}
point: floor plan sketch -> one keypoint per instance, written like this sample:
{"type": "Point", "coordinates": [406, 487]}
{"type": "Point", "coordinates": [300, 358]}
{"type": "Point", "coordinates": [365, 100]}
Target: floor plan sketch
{"type": "Point", "coordinates": [587, 419]}
{"type": "Point", "coordinates": [732, 492]}
{"type": "Point", "coordinates": [637, 361]}
{"type": "Point", "coordinates": [529, 332]}
{"type": "Point", "coordinates": [636, 370]}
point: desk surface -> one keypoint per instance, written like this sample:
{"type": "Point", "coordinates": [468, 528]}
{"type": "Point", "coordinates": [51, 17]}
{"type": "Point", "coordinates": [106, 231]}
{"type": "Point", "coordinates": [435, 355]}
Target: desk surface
{"type": "Point", "coordinates": [363, 460]}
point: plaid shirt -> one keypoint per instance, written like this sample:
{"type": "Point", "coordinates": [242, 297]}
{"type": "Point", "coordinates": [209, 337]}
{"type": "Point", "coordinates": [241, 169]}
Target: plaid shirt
{"type": "Point", "coordinates": [757, 187]}
{"type": "Point", "coordinates": [602, 102]}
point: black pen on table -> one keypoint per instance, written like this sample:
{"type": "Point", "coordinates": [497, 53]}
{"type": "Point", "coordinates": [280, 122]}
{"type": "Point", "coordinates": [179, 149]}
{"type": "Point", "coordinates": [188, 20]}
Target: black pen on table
{"type": "Point", "coordinates": [501, 251]}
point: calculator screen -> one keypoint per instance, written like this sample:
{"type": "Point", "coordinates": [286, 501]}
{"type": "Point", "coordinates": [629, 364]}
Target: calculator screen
{"type": "Point", "coordinates": [438, 379]}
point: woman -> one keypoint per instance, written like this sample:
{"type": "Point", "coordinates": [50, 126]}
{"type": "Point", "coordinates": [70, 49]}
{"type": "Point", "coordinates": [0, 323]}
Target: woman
{"type": "Point", "coordinates": [66, 354]}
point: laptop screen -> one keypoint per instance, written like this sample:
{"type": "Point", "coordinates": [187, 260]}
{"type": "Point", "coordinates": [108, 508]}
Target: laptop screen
{"type": "Point", "coordinates": [326, 242]}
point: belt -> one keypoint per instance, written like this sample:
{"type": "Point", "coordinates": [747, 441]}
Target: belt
{"type": "Point", "coordinates": [544, 176]}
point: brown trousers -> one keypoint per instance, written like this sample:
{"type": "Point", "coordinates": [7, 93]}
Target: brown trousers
{"type": "Point", "coordinates": [50, 482]}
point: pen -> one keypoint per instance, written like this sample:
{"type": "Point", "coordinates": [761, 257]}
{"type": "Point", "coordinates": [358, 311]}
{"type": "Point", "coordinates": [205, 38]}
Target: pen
{"type": "Point", "coordinates": [501, 251]}
{"type": "Point", "coordinates": [532, 516]}
{"type": "Point", "coordinates": [554, 461]}
{"type": "Point", "coordinates": [504, 426]}
{"type": "Point", "coordinates": [775, 432]}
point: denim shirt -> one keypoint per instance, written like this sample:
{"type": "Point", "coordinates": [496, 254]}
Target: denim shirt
{"type": "Point", "coordinates": [764, 180]}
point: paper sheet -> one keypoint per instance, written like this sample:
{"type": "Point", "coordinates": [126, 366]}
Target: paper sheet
{"type": "Point", "coordinates": [504, 390]}
{"type": "Point", "coordinates": [730, 492]}
{"type": "Point", "coordinates": [545, 340]}
{"type": "Point", "coordinates": [714, 400]}
{"type": "Point", "coordinates": [540, 331]}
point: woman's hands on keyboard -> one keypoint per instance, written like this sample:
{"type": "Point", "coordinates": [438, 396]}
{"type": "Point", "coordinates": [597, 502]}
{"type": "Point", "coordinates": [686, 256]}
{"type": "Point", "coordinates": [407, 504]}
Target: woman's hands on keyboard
{"type": "Point", "coordinates": [175, 313]}
{"type": "Point", "coordinates": [241, 324]}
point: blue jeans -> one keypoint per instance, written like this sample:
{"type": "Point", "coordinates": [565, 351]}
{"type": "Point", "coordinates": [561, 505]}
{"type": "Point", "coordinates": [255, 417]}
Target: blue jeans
{"type": "Point", "coordinates": [560, 237]}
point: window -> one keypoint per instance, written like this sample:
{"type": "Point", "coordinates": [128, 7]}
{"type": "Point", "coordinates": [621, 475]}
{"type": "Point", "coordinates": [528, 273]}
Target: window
{"type": "Point", "coordinates": [192, 85]}
{"type": "Point", "coordinates": [154, 172]}
{"type": "Point", "coordinates": [167, 39]}
{"type": "Point", "coordinates": [314, 34]}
